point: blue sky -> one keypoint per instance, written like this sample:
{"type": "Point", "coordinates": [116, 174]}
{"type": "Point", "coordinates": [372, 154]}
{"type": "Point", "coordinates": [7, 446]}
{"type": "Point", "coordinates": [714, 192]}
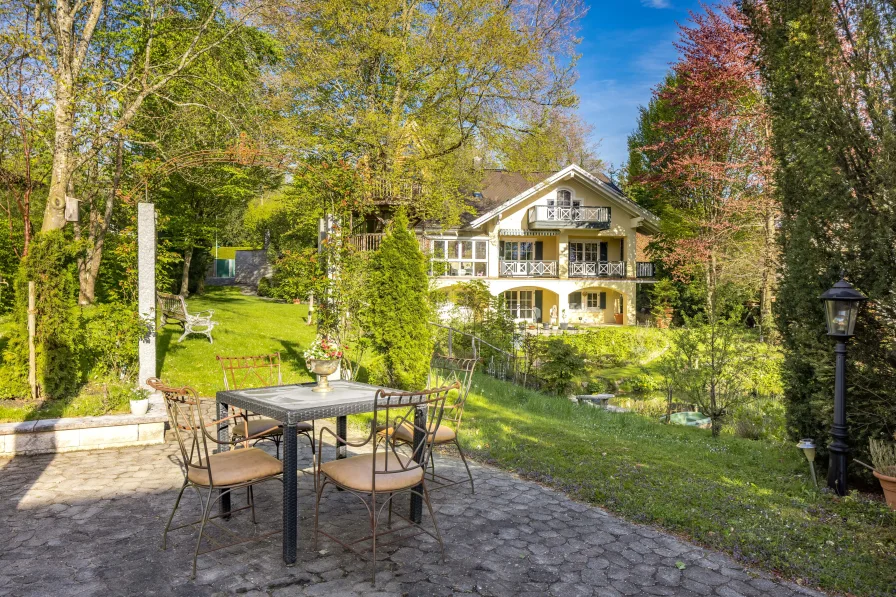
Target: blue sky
{"type": "Point", "coordinates": [626, 50]}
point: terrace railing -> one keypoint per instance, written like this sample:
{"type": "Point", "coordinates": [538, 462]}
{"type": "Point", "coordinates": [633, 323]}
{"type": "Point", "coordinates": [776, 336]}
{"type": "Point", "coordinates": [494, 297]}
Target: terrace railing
{"type": "Point", "coordinates": [556, 216]}
{"type": "Point", "coordinates": [528, 269]}
{"type": "Point", "coordinates": [596, 269]}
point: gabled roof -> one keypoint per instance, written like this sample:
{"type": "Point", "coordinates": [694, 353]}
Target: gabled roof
{"type": "Point", "coordinates": [503, 190]}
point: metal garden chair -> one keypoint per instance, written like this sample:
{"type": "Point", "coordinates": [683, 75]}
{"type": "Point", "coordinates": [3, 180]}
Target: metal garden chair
{"type": "Point", "coordinates": [258, 372]}
{"type": "Point", "coordinates": [217, 474]}
{"type": "Point", "coordinates": [446, 371]}
{"type": "Point", "coordinates": [376, 478]}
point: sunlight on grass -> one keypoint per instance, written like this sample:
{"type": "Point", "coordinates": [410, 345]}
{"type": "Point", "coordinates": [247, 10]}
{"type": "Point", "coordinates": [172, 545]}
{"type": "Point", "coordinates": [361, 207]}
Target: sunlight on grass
{"type": "Point", "coordinates": [246, 325]}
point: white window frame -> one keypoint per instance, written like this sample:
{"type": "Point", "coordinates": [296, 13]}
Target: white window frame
{"type": "Point", "coordinates": [579, 252]}
{"type": "Point", "coordinates": [519, 245]}
{"type": "Point", "coordinates": [514, 303]}
{"type": "Point", "coordinates": [457, 266]}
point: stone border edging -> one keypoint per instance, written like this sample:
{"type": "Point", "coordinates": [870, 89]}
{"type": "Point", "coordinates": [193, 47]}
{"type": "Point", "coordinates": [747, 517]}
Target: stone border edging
{"type": "Point", "coordinates": [46, 436]}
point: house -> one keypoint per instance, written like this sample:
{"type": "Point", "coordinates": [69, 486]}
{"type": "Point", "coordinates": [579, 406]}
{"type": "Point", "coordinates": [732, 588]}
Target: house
{"type": "Point", "coordinates": [567, 243]}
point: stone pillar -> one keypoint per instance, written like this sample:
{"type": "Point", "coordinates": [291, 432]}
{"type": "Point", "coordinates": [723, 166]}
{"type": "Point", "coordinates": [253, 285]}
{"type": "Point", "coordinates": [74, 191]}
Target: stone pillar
{"type": "Point", "coordinates": [146, 288]}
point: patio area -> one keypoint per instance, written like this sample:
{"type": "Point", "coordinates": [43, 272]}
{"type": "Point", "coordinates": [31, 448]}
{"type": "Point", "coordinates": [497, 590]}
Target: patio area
{"type": "Point", "coordinates": [90, 523]}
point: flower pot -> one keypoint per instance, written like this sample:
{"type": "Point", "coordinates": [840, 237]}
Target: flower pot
{"type": "Point", "coordinates": [139, 407]}
{"type": "Point", "coordinates": [323, 369]}
{"type": "Point", "coordinates": [889, 486]}
{"type": "Point", "coordinates": [618, 318]}
{"type": "Point", "coordinates": [563, 325]}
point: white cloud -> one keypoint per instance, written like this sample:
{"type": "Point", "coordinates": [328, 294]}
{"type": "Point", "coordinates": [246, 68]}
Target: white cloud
{"type": "Point", "coordinates": [656, 3]}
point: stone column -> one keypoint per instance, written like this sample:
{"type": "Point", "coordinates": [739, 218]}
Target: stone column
{"type": "Point", "coordinates": [146, 288]}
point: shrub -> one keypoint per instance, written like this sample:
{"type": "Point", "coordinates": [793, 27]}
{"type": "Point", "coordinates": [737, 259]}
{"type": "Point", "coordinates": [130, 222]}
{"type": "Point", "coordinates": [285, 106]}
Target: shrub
{"type": "Point", "coordinates": [50, 264]}
{"type": "Point", "coordinates": [396, 317]}
{"type": "Point", "coordinates": [265, 288]}
{"type": "Point", "coordinates": [560, 363]}
{"type": "Point", "coordinates": [112, 333]}
{"type": "Point", "coordinates": [612, 347]}
{"type": "Point", "coordinates": [644, 383]}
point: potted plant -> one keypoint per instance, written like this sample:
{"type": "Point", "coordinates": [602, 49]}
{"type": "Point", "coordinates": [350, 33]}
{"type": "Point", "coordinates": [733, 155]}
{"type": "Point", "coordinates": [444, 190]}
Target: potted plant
{"type": "Point", "coordinates": [563, 322]}
{"type": "Point", "coordinates": [618, 318]}
{"type": "Point", "coordinates": [322, 358]}
{"type": "Point", "coordinates": [883, 457]}
{"type": "Point", "coordinates": [139, 400]}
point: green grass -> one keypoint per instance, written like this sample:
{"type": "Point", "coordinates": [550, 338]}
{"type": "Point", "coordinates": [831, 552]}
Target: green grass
{"type": "Point", "coordinates": [752, 499]}
{"type": "Point", "coordinates": [246, 325]}
{"type": "Point", "coordinates": [90, 402]}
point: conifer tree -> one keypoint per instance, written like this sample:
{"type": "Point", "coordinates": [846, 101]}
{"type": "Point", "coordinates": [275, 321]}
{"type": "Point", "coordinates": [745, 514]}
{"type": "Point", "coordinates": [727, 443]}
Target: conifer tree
{"type": "Point", "coordinates": [396, 318]}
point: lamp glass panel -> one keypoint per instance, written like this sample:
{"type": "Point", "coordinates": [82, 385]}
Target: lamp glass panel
{"type": "Point", "coordinates": [841, 317]}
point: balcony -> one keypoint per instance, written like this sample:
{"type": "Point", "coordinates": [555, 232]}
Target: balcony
{"type": "Point", "coordinates": [369, 241]}
{"type": "Point", "coordinates": [528, 269]}
{"type": "Point", "coordinates": [596, 269]}
{"type": "Point", "coordinates": [549, 217]}
{"type": "Point", "coordinates": [645, 269]}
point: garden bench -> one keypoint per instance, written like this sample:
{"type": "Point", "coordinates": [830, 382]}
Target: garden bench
{"type": "Point", "coordinates": [173, 307]}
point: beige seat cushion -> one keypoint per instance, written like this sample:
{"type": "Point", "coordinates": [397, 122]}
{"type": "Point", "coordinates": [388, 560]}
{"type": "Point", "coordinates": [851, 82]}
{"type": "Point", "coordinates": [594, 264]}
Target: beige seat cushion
{"type": "Point", "coordinates": [357, 472]}
{"type": "Point", "coordinates": [444, 434]}
{"type": "Point", "coordinates": [266, 427]}
{"type": "Point", "coordinates": [236, 466]}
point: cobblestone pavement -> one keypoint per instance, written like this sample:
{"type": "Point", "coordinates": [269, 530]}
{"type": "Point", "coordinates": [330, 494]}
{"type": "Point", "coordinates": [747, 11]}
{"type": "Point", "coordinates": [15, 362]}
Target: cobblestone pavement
{"type": "Point", "coordinates": [90, 523]}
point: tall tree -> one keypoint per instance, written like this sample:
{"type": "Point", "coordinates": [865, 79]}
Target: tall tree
{"type": "Point", "coordinates": [405, 86]}
{"type": "Point", "coordinates": [829, 68]}
{"type": "Point", "coordinates": [98, 61]}
{"type": "Point", "coordinates": [547, 140]}
{"type": "Point", "coordinates": [707, 153]}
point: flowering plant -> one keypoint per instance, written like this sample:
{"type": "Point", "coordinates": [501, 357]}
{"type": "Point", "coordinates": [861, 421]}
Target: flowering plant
{"type": "Point", "coordinates": [323, 349]}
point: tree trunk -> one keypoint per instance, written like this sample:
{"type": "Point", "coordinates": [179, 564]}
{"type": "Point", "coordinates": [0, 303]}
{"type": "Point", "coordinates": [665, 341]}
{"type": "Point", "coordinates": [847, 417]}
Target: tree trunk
{"type": "Point", "coordinates": [89, 265]}
{"type": "Point", "coordinates": [716, 426]}
{"type": "Point", "coordinates": [64, 121]}
{"type": "Point", "coordinates": [185, 279]}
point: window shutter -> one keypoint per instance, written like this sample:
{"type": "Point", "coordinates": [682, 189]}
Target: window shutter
{"type": "Point", "coordinates": [538, 314]}
{"type": "Point", "coordinates": [621, 309]}
{"type": "Point", "coordinates": [501, 249]}
{"type": "Point", "coordinates": [603, 299]}
{"type": "Point", "coordinates": [603, 251]}
{"type": "Point", "coordinates": [539, 250]}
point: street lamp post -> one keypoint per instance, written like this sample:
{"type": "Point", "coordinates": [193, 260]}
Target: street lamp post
{"type": "Point", "coordinates": [841, 307]}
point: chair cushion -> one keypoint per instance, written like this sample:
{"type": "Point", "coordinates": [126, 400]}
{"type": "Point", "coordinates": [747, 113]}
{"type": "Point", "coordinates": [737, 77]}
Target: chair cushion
{"type": "Point", "coordinates": [444, 434]}
{"type": "Point", "coordinates": [266, 427]}
{"type": "Point", "coordinates": [357, 472]}
{"type": "Point", "coordinates": [236, 466]}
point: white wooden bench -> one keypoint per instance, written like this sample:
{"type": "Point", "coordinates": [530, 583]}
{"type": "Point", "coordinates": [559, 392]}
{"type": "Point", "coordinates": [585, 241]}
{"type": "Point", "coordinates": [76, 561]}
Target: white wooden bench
{"type": "Point", "coordinates": [173, 307]}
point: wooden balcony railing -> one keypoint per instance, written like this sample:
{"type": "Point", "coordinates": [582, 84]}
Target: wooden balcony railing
{"type": "Point", "coordinates": [555, 216]}
{"type": "Point", "coordinates": [528, 269]}
{"type": "Point", "coordinates": [367, 241]}
{"type": "Point", "coordinates": [645, 269]}
{"type": "Point", "coordinates": [596, 269]}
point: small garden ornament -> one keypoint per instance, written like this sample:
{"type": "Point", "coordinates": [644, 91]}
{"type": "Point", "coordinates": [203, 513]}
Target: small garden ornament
{"type": "Point", "coordinates": [322, 358]}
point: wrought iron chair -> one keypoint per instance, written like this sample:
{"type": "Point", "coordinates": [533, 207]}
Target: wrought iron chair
{"type": "Point", "coordinates": [445, 371]}
{"type": "Point", "coordinates": [258, 372]}
{"type": "Point", "coordinates": [385, 471]}
{"type": "Point", "coordinates": [219, 473]}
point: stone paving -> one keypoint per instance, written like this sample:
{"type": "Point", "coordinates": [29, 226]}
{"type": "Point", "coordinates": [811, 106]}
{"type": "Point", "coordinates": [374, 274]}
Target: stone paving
{"type": "Point", "coordinates": [90, 523]}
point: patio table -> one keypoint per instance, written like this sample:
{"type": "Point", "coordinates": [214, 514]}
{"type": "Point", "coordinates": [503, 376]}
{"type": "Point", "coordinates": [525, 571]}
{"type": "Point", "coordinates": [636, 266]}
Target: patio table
{"type": "Point", "coordinates": [292, 404]}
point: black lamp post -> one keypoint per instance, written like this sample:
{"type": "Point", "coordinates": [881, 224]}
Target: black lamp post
{"type": "Point", "coordinates": [841, 305]}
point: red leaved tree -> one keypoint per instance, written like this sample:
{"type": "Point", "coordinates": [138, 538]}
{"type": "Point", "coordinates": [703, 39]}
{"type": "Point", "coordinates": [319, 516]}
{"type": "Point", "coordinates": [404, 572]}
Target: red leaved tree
{"type": "Point", "coordinates": [712, 160]}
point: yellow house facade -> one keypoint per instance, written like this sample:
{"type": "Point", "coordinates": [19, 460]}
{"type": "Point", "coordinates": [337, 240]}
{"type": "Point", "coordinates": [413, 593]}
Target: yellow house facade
{"type": "Point", "coordinates": [560, 249]}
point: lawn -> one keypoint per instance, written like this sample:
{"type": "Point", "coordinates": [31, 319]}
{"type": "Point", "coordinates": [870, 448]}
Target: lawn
{"type": "Point", "coordinates": [246, 325]}
{"type": "Point", "coordinates": [752, 499]}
